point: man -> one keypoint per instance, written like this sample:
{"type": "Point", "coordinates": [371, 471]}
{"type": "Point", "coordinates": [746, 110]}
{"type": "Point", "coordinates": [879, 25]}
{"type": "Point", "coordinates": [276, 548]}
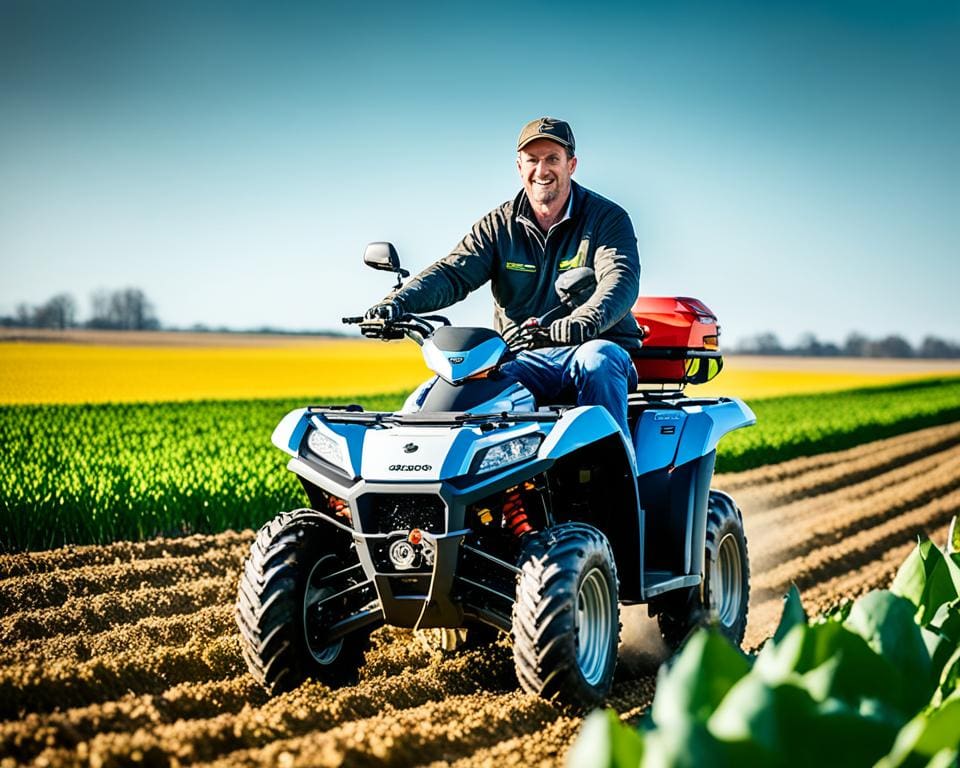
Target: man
{"type": "Point", "coordinates": [551, 226]}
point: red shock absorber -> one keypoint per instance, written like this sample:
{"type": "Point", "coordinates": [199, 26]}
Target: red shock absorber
{"type": "Point", "coordinates": [514, 514]}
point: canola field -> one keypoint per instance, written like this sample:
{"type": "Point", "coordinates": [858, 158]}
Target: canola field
{"type": "Point", "coordinates": [177, 367]}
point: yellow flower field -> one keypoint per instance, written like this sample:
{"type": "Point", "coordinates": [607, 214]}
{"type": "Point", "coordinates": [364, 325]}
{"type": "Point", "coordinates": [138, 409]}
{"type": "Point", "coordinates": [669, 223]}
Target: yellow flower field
{"type": "Point", "coordinates": [171, 368]}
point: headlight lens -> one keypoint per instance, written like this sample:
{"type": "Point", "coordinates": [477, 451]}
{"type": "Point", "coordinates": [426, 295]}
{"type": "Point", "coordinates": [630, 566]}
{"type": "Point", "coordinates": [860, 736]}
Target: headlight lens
{"type": "Point", "coordinates": [325, 448]}
{"type": "Point", "coordinates": [510, 452]}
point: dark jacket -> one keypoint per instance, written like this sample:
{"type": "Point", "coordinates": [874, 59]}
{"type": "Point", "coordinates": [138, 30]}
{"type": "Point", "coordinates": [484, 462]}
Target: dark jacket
{"type": "Point", "coordinates": [507, 248]}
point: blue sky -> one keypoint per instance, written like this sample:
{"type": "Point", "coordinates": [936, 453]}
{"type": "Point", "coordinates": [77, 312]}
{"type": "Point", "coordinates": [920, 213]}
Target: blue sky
{"type": "Point", "coordinates": [794, 165]}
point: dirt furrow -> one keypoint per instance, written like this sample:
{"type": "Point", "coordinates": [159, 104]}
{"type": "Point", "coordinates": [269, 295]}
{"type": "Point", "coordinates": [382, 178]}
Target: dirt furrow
{"type": "Point", "coordinates": [862, 547]}
{"type": "Point", "coordinates": [38, 591]}
{"type": "Point", "coordinates": [803, 526]}
{"type": "Point", "coordinates": [42, 687]}
{"type": "Point", "coordinates": [99, 613]}
{"type": "Point", "coordinates": [314, 707]}
{"type": "Point", "coordinates": [777, 481]}
{"type": "Point", "coordinates": [437, 731]}
{"type": "Point", "coordinates": [26, 738]}
{"type": "Point", "coordinates": [25, 563]}
{"type": "Point", "coordinates": [209, 622]}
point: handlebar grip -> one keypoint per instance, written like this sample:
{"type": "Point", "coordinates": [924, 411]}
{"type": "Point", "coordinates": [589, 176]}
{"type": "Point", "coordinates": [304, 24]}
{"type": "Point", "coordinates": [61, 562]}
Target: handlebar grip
{"type": "Point", "coordinates": [351, 320]}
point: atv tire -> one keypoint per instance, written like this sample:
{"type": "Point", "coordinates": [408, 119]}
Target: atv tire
{"type": "Point", "coordinates": [566, 618]}
{"type": "Point", "coordinates": [723, 597]}
{"type": "Point", "coordinates": [289, 552]}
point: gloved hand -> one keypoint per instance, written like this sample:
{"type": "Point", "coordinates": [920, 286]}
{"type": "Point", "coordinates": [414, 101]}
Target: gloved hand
{"type": "Point", "coordinates": [570, 331]}
{"type": "Point", "coordinates": [528, 335]}
{"type": "Point", "coordinates": [388, 309]}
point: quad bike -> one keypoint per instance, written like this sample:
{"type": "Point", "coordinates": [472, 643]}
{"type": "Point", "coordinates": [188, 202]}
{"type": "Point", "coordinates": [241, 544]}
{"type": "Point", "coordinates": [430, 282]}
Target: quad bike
{"type": "Point", "coordinates": [474, 511]}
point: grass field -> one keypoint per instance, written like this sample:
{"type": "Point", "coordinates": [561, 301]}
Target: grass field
{"type": "Point", "coordinates": [114, 367]}
{"type": "Point", "coordinates": [100, 473]}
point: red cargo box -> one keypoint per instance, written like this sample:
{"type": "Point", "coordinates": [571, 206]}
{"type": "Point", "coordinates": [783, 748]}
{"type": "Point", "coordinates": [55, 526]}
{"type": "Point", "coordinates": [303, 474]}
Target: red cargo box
{"type": "Point", "coordinates": [680, 341]}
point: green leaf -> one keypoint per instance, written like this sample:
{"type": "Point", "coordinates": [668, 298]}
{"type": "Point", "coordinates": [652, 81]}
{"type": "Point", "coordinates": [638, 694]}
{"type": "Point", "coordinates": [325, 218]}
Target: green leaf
{"type": "Point", "coordinates": [928, 579]}
{"type": "Point", "coordinates": [953, 536]}
{"type": "Point", "coordinates": [698, 679]}
{"type": "Point", "coordinates": [793, 614]}
{"type": "Point", "coordinates": [949, 678]}
{"type": "Point", "coordinates": [783, 725]}
{"type": "Point", "coordinates": [605, 742]}
{"type": "Point", "coordinates": [886, 622]}
{"type": "Point", "coordinates": [831, 660]}
{"type": "Point", "coordinates": [945, 758]}
{"type": "Point", "coordinates": [688, 744]}
{"type": "Point", "coordinates": [928, 734]}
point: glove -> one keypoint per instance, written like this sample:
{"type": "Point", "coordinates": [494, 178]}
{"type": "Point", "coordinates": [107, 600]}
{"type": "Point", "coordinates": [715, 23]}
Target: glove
{"type": "Point", "coordinates": [570, 331]}
{"type": "Point", "coordinates": [388, 309]}
{"type": "Point", "coordinates": [528, 335]}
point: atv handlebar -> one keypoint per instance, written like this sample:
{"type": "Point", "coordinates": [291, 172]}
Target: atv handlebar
{"type": "Point", "coordinates": [416, 327]}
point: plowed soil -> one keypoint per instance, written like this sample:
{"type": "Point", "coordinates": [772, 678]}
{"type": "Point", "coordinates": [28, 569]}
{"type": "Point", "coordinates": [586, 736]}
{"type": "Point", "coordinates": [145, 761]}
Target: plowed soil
{"type": "Point", "coordinates": [128, 654]}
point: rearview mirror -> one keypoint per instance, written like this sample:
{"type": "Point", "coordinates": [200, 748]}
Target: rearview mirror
{"type": "Point", "coordinates": [382, 256]}
{"type": "Point", "coordinates": [575, 286]}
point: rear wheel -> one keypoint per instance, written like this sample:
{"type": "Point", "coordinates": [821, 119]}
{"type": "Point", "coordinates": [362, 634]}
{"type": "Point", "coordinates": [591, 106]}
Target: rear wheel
{"type": "Point", "coordinates": [282, 605]}
{"type": "Point", "coordinates": [566, 619]}
{"type": "Point", "coordinates": [723, 597]}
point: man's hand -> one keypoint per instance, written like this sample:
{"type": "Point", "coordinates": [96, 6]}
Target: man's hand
{"type": "Point", "coordinates": [388, 309]}
{"type": "Point", "coordinates": [571, 331]}
{"type": "Point", "coordinates": [528, 335]}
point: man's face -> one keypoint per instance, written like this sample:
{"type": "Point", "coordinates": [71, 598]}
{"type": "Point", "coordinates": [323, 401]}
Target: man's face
{"type": "Point", "coordinates": [545, 171]}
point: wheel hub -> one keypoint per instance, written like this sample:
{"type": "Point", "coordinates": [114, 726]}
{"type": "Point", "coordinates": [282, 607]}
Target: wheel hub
{"type": "Point", "coordinates": [593, 618]}
{"type": "Point", "coordinates": [313, 597]}
{"type": "Point", "coordinates": [728, 576]}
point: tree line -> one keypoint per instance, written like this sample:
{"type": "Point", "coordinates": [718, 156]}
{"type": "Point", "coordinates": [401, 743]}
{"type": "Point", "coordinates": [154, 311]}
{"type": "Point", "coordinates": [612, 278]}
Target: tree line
{"type": "Point", "coordinates": [855, 345]}
{"type": "Point", "coordinates": [126, 309]}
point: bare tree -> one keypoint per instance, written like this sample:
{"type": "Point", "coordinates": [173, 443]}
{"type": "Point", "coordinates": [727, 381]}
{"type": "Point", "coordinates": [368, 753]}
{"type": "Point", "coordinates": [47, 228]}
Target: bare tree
{"type": "Point", "coordinates": [126, 309]}
{"type": "Point", "coordinates": [59, 312]}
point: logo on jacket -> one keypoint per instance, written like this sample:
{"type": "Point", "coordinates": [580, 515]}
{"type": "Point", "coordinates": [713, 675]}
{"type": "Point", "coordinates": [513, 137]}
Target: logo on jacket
{"type": "Point", "coordinates": [411, 448]}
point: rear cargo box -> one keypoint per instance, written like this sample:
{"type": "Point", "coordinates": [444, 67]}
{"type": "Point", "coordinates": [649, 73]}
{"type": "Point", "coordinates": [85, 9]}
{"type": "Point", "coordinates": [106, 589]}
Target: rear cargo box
{"type": "Point", "coordinates": [680, 341]}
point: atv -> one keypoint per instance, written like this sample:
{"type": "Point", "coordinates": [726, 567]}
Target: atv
{"type": "Point", "coordinates": [474, 511]}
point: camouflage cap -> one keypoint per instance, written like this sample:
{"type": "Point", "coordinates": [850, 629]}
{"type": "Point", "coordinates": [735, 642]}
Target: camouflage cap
{"type": "Point", "coordinates": [547, 128]}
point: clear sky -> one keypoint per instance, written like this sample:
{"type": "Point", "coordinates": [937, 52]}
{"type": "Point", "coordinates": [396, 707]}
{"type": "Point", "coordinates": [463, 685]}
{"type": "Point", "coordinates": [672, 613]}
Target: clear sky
{"type": "Point", "coordinates": [794, 165]}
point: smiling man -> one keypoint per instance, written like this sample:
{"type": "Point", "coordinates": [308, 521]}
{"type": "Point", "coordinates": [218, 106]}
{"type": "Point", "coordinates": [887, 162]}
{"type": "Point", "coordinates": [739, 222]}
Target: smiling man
{"type": "Point", "coordinates": [521, 247]}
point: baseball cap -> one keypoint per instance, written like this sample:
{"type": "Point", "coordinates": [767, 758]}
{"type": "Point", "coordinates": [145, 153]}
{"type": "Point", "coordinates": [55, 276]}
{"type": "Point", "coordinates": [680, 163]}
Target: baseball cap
{"type": "Point", "coordinates": [547, 128]}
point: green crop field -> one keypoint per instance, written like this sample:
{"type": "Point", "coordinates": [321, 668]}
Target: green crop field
{"type": "Point", "coordinates": [100, 473]}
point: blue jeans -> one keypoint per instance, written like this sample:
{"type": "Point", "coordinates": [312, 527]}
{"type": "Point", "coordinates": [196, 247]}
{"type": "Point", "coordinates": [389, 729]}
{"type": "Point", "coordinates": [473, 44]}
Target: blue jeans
{"type": "Point", "coordinates": [599, 372]}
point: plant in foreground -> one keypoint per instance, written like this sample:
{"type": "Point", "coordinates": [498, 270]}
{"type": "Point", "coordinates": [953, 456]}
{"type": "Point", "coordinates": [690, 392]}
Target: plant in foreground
{"type": "Point", "coordinates": [871, 684]}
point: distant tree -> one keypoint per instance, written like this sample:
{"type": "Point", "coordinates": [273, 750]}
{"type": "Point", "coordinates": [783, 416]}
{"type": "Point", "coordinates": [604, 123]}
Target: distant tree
{"type": "Point", "coordinates": [856, 345]}
{"type": "Point", "coordinates": [127, 309]}
{"type": "Point", "coordinates": [810, 345]}
{"type": "Point", "coordinates": [931, 346]}
{"type": "Point", "coordinates": [891, 346]}
{"type": "Point", "coordinates": [761, 344]}
{"type": "Point", "coordinates": [59, 312]}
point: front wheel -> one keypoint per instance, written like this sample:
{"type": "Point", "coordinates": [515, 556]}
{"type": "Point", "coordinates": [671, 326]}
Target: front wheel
{"type": "Point", "coordinates": [723, 598]}
{"type": "Point", "coordinates": [289, 584]}
{"type": "Point", "coordinates": [566, 618]}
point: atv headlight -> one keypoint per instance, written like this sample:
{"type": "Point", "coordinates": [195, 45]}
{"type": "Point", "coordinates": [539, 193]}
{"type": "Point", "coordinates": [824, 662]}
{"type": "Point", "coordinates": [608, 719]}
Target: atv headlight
{"type": "Point", "coordinates": [508, 452]}
{"type": "Point", "coordinates": [325, 448]}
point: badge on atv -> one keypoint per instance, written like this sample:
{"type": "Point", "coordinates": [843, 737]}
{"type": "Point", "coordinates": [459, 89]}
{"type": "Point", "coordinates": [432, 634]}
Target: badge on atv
{"type": "Point", "coordinates": [411, 448]}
